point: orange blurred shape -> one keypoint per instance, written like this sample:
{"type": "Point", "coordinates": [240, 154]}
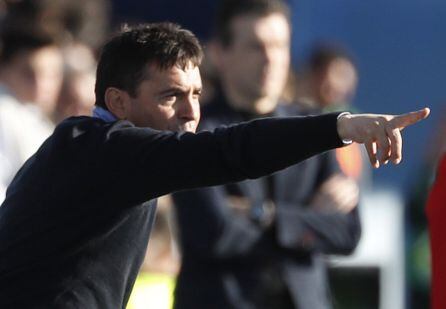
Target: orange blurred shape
{"type": "Point", "coordinates": [350, 160]}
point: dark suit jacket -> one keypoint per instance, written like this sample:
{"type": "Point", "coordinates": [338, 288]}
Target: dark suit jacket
{"type": "Point", "coordinates": [232, 260]}
{"type": "Point", "coordinates": [76, 219]}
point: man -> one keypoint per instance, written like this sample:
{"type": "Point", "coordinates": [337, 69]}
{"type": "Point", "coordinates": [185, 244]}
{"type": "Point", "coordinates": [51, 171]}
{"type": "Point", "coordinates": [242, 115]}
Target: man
{"type": "Point", "coordinates": [76, 219]}
{"type": "Point", "coordinates": [331, 78]}
{"type": "Point", "coordinates": [30, 78]}
{"type": "Point", "coordinates": [260, 243]}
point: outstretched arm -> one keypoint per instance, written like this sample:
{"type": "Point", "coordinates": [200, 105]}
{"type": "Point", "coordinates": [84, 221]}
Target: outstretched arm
{"type": "Point", "coordinates": [174, 161]}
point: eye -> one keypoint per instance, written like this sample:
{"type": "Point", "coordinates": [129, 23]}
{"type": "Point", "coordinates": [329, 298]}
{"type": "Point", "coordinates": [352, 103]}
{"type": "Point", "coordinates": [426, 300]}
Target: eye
{"type": "Point", "coordinates": [197, 94]}
{"type": "Point", "coordinates": [169, 99]}
{"type": "Point", "coordinates": [255, 46]}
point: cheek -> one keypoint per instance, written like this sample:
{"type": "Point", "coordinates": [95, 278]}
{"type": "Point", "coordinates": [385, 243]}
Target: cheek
{"type": "Point", "coordinates": [246, 73]}
{"type": "Point", "coordinates": [48, 88]}
{"type": "Point", "coordinates": [166, 113]}
{"type": "Point", "coordinates": [24, 87]}
{"type": "Point", "coordinates": [197, 112]}
{"type": "Point", "coordinates": [281, 61]}
{"type": "Point", "coordinates": [162, 117]}
{"type": "Point", "coordinates": [280, 70]}
{"type": "Point", "coordinates": [241, 62]}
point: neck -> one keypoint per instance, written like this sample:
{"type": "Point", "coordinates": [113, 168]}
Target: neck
{"type": "Point", "coordinates": [102, 113]}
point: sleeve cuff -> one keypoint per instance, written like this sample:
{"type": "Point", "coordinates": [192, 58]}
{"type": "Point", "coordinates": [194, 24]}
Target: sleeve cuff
{"type": "Point", "coordinates": [345, 141]}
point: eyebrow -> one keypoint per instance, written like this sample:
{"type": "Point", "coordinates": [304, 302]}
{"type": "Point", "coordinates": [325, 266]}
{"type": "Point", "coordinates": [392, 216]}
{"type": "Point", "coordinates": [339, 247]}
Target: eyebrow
{"type": "Point", "coordinates": [173, 89]}
{"type": "Point", "coordinates": [177, 89]}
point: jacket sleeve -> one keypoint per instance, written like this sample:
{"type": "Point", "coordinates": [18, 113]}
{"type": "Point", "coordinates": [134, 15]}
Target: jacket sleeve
{"type": "Point", "coordinates": [308, 230]}
{"type": "Point", "coordinates": [146, 163]}
{"type": "Point", "coordinates": [210, 230]}
{"type": "Point", "coordinates": [299, 227]}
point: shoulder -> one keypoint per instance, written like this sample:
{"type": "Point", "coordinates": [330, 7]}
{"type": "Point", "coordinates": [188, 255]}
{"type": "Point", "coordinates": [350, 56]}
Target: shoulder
{"type": "Point", "coordinates": [90, 143]}
{"type": "Point", "coordinates": [85, 129]}
{"type": "Point", "coordinates": [75, 127]}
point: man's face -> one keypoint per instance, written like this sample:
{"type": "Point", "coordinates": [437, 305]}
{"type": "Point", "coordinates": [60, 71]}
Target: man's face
{"type": "Point", "coordinates": [37, 77]}
{"type": "Point", "coordinates": [167, 100]}
{"type": "Point", "coordinates": [256, 62]}
{"type": "Point", "coordinates": [338, 83]}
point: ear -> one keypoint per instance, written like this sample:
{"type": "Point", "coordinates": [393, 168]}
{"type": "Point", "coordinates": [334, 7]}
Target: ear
{"type": "Point", "coordinates": [117, 102]}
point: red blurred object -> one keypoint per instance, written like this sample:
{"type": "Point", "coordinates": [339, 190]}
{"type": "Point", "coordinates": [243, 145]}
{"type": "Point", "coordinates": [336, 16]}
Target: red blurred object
{"type": "Point", "coordinates": [436, 213]}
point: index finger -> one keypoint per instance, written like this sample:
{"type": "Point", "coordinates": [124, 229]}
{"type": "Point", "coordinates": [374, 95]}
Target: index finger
{"type": "Point", "coordinates": [404, 120]}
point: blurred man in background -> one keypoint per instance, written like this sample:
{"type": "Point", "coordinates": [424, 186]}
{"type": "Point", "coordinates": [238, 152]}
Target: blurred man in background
{"type": "Point", "coordinates": [76, 97]}
{"type": "Point", "coordinates": [261, 243]}
{"type": "Point", "coordinates": [331, 78]}
{"type": "Point", "coordinates": [30, 79]}
{"type": "Point", "coordinates": [33, 68]}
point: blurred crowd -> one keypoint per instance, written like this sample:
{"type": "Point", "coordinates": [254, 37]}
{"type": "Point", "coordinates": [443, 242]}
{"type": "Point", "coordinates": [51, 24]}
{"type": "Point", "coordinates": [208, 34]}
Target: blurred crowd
{"type": "Point", "coordinates": [47, 71]}
{"type": "Point", "coordinates": [257, 244]}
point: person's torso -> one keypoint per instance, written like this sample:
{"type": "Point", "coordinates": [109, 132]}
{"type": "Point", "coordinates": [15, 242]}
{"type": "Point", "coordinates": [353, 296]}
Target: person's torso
{"type": "Point", "coordinates": [66, 241]}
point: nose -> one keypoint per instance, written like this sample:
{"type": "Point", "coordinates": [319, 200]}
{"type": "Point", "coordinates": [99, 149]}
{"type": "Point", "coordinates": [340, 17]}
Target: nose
{"type": "Point", "coordinates": [267, 54]}
{"type": "Point", "coordinates": [189, 110]}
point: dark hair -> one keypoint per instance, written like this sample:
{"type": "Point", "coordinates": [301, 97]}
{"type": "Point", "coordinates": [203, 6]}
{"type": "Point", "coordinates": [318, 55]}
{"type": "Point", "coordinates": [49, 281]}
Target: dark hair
{"type": "Point", "coordinates": [125, 57]}
{"type": "Point", "coordinates": [228, 10]}
{"type": "Point", "coordinates": [15, 40]}
{"type": "Point", "coordinates": [324, 53]}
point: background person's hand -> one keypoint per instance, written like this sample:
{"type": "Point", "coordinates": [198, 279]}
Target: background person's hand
{"type": "Point", "coordinates": [338, 193]}
{"type": "Point", "coordinates": [381, 134]}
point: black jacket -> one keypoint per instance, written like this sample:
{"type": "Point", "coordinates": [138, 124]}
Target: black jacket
{"type": "Point", "coordinates": [232, 260]}
{"type": "Point", "coordinates": [76, 219]}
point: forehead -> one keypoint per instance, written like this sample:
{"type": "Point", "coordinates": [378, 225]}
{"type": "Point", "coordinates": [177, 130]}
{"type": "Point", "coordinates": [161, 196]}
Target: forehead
{"type": "Point", "coordinates": [175, 76]}
{"type": "Point", "coordinates": [342, 63]}
{"type": "Point", "coordinates": [47, 55]}
{"type": "Point", "coordinates": [271, 27]}
{"type": "Point", "coordinates": [342, 68]}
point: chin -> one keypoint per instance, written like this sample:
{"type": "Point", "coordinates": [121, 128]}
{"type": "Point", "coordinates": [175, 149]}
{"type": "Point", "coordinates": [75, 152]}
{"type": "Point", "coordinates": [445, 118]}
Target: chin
{"type": "Point", "coordinates": [185, 128]}
{"type": "Point", "coordinates": [190, 130]}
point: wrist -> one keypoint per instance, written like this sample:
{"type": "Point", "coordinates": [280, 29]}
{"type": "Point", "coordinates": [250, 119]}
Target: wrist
{"type": "Point", "coordinates": [343, 127]}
